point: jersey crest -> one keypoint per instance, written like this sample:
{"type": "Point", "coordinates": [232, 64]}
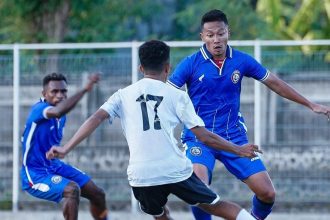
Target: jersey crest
{"type": "Point", "coordinates": [196, 151]}
{"type": "Point", "coordinates": [236, 75]}
{"type": "Point", "coordinates": [56, 179]}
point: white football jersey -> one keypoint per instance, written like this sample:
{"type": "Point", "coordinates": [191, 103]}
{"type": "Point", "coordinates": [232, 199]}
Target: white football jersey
{"type": "Point", "coordinates": [149, 111]}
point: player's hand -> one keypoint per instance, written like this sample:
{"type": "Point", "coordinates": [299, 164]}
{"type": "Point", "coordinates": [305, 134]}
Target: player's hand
{"type": "Point", "coordinates": [92, 79]}
{"type": "Point", "coordinates": [321, 109]}
{"type": "Point", "coordinates": [56, 152]}
{"type": "Point", "coordinates": [249, 150]}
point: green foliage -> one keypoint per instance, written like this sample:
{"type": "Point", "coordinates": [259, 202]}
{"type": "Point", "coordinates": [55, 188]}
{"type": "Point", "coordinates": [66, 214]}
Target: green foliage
{"type": "Point", "coordinates": [32, 21]}
{"type": "Point", "coordinates": [297, 20]}
{"type": "Point", "coordinates": [9, 22]}
{"type": "Point", "coordinates": [116, 20]}
{"type": "Point", "coordinates": [243, 21]}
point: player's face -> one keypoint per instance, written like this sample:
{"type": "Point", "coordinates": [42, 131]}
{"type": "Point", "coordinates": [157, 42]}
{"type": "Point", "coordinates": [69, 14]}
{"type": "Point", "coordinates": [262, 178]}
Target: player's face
{"type": "Point", "coordinates": [215, 35]}
{"type": "Point", "coordinates": [55, 92]}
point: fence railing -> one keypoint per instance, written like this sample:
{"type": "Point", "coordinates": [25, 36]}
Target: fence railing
{"type": "Point", "coordinates": [262, 113]}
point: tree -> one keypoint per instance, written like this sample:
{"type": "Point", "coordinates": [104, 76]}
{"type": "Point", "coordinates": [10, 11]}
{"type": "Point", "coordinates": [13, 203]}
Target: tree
{"type": "Point", "coordinates": [34, 21]}
{"type": "Point", "coordinates": [297, 20]}
{"type": "Point", "coordinates": [240, 13]}
{"type": "Point", "coordinates": [113, 20]}
{"type": "Point", "coordinates": [45, 21]}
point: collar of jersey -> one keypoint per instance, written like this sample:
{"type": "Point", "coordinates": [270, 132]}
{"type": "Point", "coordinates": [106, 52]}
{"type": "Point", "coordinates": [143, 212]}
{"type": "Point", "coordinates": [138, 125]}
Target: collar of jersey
{"type": "Point", "coordinates": [207, 55]}
{"type": "Point", "coordinates": [42, 99]}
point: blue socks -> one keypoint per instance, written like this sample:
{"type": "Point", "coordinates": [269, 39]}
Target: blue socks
{"type": "Point", "coordinates": [260, 209]}
{"type": "Point", "coordinates": [200, 214]}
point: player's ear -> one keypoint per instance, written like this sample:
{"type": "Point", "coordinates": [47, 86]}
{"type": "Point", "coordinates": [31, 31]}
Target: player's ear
{"type": "Point", "coordinates": [141, 69]}
{"type": "Point", "coordinates": [167, 68]}
{"type": "Point", "coordinates": [201, 32]}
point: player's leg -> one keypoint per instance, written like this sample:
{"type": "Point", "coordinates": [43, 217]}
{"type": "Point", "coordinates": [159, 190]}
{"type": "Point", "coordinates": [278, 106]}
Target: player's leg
{"type": "Point", "coordinates": [254, 174]}
{"type": "Point", "coordinates": [56, 188]}
{"type": "Point", "coordinates": [263, 200]}
{"type": "Point", "coordinates": [152, 200]}
{"type": "Point", "coordinates": [227, 210]}
{"type": "Point", "coordinates": [203, 162]}
{"type": "Point", "coordinates": [194, 191]}
{"type": "Point", "coordinates": [165, 216]}
{"type": "Point", "coordinates": [89, 190]}
{"type": "Point", "coordinates": [96, 196]}
{"type": "Point", "coordinates": [71, 197]}
{"type": "Point", "coordinates": [202, 172]}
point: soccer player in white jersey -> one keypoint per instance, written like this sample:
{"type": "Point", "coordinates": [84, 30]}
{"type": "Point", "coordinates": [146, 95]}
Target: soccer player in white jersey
{"type": "Point", "coordinates": [149, 111]}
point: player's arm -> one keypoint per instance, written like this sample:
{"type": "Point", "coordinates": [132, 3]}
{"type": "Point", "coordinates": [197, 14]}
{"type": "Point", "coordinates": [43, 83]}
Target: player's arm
{"type": "Point", "coordinates": [285, 90]}
{"type": "Point", "coordinates": [68, 104]}
{"type": "Point", "coordinates": [218, 143]}
{"type": "Point", "coordinates": [84, 131]}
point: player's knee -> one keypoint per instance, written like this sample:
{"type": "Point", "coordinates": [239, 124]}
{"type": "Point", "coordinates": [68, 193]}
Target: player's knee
{"type": "Point", "coordinates": [268, 196]}
{"type": "Point", "coordinates": [97, 196]}
{"type": "Point", "coordinates": [100, 195]}
{"type": "Point", "coordinates": [72, 190]}
{"type": "Point", "coordinates": [271, 195]}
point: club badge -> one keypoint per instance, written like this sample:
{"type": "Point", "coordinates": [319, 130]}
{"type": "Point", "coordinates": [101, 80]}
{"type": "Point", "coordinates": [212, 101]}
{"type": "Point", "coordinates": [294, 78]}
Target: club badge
{"type": "Point", "coordinates": [235, 76]}
{"type": "Point", "coordinates": [56, 179]}
{"type": "Point", "coordinates": [196, 151]}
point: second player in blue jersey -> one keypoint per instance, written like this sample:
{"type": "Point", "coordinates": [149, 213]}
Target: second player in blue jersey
{"type": "Point", "coordinates": [213, 77]}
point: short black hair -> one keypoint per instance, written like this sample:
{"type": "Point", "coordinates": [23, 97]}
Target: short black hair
{"type": "Point", "coordinates": [154, 54]}
{"type": "Point", "coordinates": [214, 15]}
{"type": "Point", "coordinates": [53, 77]}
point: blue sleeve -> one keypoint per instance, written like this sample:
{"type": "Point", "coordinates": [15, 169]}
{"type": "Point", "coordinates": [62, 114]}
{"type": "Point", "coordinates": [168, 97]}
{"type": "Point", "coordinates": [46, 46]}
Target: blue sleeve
{"type": "Point", "coordinates": [255, 69]}
{"type": "Point", "coordinates": [38, 111]}
{"type": "Point", "coordinates": [181, 73]}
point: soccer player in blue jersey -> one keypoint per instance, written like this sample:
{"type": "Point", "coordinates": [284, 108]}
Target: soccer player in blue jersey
{"type": "Point", "coordinates": [55, 180]}
{"type": "Point", "coordinates": [213, 76]}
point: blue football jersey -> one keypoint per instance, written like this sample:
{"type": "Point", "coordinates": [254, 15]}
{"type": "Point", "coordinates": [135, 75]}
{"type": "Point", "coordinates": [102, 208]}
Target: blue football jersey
{"type": "Point", "coordinates": [215, 92]}
{"type": "Point", "coordinates": [39, 135]}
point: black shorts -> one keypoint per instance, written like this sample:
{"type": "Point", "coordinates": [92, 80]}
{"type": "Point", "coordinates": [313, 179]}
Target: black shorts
{"type": "Point", "coordinates": [193, 191]}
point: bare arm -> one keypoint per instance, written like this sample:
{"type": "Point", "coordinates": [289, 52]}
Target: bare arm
{"type": "Point", "coordinates": [285, 90]}
{"type": "Point", "coordinates": [68, 104]}
{"type": "Point", "coordinates": [84, 131]}
{"type": "Point", "coordinates": [218, 143]}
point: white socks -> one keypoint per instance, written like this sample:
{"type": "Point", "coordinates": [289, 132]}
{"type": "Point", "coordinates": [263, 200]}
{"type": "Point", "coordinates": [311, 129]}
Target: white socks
{"type": "Point", "coordinates": [244, 215]}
